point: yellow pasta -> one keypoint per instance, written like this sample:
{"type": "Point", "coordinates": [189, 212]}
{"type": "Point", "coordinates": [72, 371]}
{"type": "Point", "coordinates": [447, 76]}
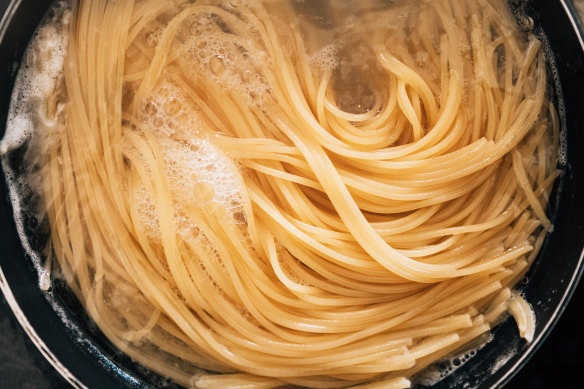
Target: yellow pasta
{"type": "Point", "coordinates": [340, 200]}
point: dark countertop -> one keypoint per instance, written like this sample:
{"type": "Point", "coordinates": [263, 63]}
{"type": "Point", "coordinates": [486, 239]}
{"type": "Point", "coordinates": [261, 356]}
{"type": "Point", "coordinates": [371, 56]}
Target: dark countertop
{"type": "Point", "coordinates": [559, 363]}
{"type": "Point", "coordinates": [21, 364]}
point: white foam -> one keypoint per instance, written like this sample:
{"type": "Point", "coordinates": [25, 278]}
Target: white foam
{"type": "Point", "coordinates": [195, 168]}
{"type": "Point", "coordinates": [327, 57]}
{"type": "Point", "coordinates": [39, 75]}
{"type": "Point", "coordinates": [165, 113]}
{"type": "Point", "coordinates": [201, 162]}
{"type": "Point", "coordinates": [448, 365]}
{"type": "Point", "coordinates": [231, 62]}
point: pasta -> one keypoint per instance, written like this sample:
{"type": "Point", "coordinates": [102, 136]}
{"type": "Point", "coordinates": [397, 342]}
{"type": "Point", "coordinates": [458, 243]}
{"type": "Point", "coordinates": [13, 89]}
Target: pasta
{"type": "Point", "coordinates": [291, 194]}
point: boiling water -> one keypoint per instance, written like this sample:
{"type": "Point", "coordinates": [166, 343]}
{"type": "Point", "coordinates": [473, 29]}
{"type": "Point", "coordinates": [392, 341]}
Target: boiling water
{"type": "Point", "coordinates": [40, 74]}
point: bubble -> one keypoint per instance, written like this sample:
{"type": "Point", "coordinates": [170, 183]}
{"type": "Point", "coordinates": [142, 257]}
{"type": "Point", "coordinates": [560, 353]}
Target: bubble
{"type": "Point", "coordinates": [150, 109]}
{"type": "Point", "coordinates": [216, 65]}
{"type": "Point", "coordinates": [172, 106]}
{"type": "Point", "coordinates": [158, 122]}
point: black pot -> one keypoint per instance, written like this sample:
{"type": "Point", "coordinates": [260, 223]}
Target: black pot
{"type": "Point", "coordinates": [56, 325]}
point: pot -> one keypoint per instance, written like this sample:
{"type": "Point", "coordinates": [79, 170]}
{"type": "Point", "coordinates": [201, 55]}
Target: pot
{"type": "Point", "coordinates": [58, 327]}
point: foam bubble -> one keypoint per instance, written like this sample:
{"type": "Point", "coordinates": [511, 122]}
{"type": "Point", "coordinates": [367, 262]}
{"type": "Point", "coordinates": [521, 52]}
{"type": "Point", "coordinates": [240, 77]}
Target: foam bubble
{"type": "Point", "coordinates": [166, 113]}
{"type": "Point", "coordinates": [231, 62]}
{"type": "Point", "coordinates": [195, 169]}
{"type": "Point", "coordinates": [327, 57]}
{"type": "Point", "coordinates": [201, 166]}
{"type": "Point", "coordinates": [555, 76]}
{"type": "Point", "coordinates": [148, 217]}
{"type": "Point", "coordinates": [448, 365]}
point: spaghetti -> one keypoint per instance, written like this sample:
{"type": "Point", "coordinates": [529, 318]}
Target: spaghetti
{"type": "Point", "coordinates": [246, 188]}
